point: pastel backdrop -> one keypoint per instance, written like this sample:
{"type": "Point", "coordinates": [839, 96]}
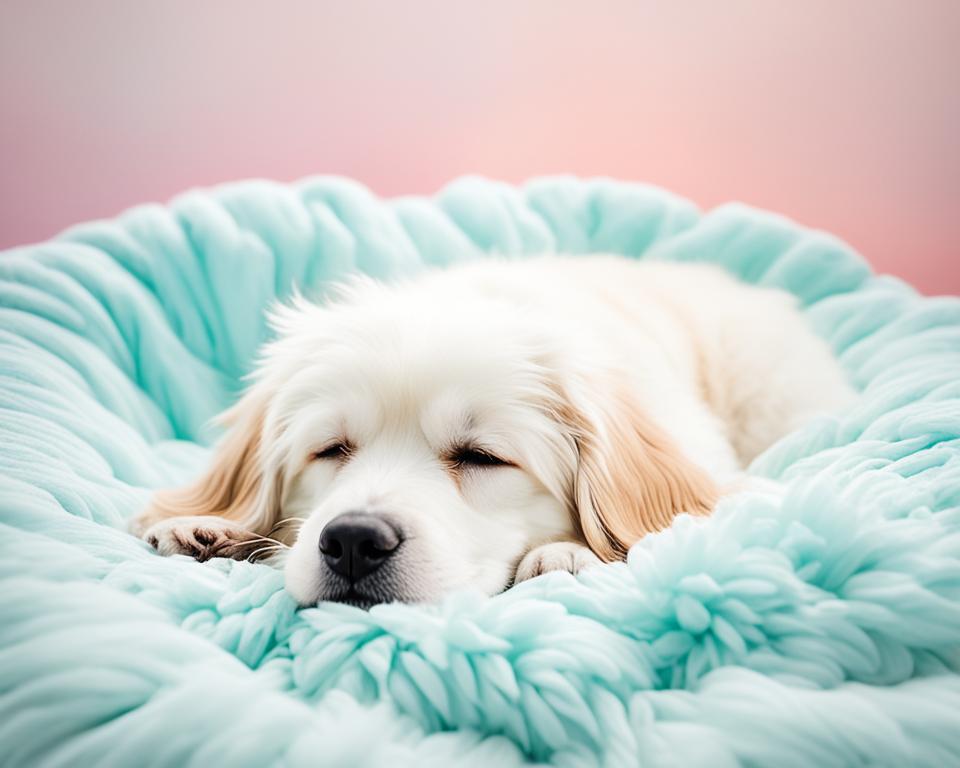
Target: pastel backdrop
{"type": "Point", "coordinates": [843, 114]}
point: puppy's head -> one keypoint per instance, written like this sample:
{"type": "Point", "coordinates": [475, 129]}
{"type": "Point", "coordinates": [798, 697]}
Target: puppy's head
{"type": "Point", "coordinates": [426, 442]}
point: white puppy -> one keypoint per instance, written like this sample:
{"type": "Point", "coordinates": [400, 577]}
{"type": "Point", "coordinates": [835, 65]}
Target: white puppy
{"type": "Point", "coordinates": [481, 425]}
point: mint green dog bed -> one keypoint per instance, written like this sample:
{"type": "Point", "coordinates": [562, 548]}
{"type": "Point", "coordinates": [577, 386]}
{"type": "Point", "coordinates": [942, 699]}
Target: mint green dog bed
{"type": "Point", "coordinates": [820, 629]}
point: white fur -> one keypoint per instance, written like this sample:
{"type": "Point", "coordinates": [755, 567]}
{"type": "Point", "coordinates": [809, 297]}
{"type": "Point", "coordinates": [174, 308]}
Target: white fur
{"type": "Point", "coordinates": [475, 354]}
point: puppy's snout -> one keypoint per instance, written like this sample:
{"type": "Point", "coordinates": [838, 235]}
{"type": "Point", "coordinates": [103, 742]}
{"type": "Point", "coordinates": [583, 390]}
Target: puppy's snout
{"type": "Point", "coordinates": [355, 544]}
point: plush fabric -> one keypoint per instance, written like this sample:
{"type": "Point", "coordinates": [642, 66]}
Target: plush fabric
{"type": "Point", "coordinates": [817, 627]}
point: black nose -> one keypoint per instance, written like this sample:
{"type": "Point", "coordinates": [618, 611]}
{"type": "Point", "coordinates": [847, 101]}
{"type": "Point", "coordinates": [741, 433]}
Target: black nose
{"type": "Point", "coordinates": [355, 544]}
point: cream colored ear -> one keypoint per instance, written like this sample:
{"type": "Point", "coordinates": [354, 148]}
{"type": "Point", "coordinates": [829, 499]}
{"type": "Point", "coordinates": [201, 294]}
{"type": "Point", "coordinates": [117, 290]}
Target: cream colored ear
{"type": "Point", "coordinates": [236, 485]}
{"type": "Point", "coordinates": [631, 479]}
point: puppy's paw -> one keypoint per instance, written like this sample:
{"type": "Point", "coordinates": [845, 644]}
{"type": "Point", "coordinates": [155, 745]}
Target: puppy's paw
{"type": "Point", "coordinates": [557, 556]}
{"type": "Point", "coordinates": [202, 538]}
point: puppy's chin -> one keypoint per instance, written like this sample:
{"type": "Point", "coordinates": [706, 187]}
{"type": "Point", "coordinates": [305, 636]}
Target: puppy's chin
{"type": "Point", "coordinates": [386, 585]}
{"type": "Point", "coordinates": [370, 591]}
{"type": "Point", "coordinates": [360, 597]}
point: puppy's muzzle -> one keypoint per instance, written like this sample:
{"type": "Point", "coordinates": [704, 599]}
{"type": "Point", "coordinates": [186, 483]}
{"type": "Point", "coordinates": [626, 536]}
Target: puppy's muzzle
{"type": "Point", "coordinates": [355, 544]}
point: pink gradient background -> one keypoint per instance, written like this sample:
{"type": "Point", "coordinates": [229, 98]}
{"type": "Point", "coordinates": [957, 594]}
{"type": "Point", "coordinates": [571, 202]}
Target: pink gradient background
{"type": "Point", "coordinates": [844, 114]}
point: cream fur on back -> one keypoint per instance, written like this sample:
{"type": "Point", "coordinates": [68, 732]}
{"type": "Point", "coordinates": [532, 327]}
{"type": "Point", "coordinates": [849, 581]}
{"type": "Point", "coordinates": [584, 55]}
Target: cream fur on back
{"type": "Point", "coordinates": [719, 364]}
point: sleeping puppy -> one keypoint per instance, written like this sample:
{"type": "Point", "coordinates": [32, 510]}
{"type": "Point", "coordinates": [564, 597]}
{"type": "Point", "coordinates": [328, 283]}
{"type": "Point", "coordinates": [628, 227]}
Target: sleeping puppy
{"type": "Point", "coordinates": [478, 426]}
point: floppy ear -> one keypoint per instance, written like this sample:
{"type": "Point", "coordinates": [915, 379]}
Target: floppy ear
{"type": "Point", "coordinates": [631, 478]}
{"type": "Point", "coordinates": [236, 486]}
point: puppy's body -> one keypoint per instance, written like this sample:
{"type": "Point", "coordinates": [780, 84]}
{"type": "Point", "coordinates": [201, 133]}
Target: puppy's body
{"type": "Point", "coordinates": [496, 420]}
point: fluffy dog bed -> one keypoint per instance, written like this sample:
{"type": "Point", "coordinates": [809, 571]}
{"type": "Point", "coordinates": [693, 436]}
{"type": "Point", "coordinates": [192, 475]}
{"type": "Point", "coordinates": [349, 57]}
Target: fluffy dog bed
{"type": "Point", "coordinates": [817, 627]}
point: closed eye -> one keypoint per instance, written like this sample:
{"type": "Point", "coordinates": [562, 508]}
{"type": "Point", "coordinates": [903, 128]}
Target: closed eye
{"type": "Point", "coordinates": [339, 450]}
{"type": "Point", "coordinates": [476, 458]}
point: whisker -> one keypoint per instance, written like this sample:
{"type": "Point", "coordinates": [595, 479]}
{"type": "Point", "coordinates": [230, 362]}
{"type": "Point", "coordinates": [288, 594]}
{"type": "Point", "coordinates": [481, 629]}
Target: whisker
{"type": "Point", "coordinates": [268, 549]}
